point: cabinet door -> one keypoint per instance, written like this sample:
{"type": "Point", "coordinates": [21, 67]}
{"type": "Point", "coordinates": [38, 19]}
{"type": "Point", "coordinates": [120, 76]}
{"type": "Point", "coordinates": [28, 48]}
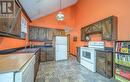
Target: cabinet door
{"type": "Point", "coordinates": [49, 34]}
{"type": "Point", "coordinates": [107, 29]}
{"type": "Point", "coordinates": [43, 55]}
{"type": "Point", "coordinates": [11, 25]}
{"type": "Point", "coordinates": [101, 60]}
{"type": "Point", "coordinates": [50, 54]}
{"type": "Point", "coordinates": [97, 27]}
{"type": "Point", "coordinates": [16, 22]}
{"type": "Point", "coordinates": [83, 35]}
{"type": "Point", "coordinates": [78, 54]}
{"type": "Point", "coordinates": [30, 33]}
{"type": "Point", "coordinates": [109, 64]}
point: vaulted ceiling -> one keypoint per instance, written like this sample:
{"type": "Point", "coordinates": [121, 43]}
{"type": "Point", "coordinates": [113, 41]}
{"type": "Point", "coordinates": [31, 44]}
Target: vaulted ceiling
{"type": "Point", "coordinates": [39, 8]}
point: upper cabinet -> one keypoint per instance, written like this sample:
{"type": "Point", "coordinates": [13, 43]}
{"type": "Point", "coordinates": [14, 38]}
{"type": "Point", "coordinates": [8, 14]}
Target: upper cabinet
{"type": "Point", "coordinates": [14, 25]}
{"type": "Point", "coordinates": [10, 26]}
{"type": "Point", "coordinates": [44, 34]}
{"type": "Point", "coordinates": [107, 27]}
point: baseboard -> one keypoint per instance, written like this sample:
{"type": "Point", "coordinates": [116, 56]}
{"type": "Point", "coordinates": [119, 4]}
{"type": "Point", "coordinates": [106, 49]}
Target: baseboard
{"type": "Point", "coordinates": [73, 54]}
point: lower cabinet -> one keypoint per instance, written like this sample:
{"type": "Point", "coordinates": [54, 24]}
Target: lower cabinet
{"type": "Point", "coordinates": [78, 54]}
{"type": "Point", "coordinates": [104, 63]}
{"type": "Point", "coordinates": [37, 62]}
{"type": "Point", "coordinates": [43, 55]}
{"type": "Point", "coordinates": [47, 54]}
{"type": "Point", "coordinates": [26, 74]}
{"type": "Point", "coordinates": [50, 54]}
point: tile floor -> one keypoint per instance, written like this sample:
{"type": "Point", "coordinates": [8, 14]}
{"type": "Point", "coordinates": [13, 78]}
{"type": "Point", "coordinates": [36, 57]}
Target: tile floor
{"type": "Point", "coordinates": [67, 71]}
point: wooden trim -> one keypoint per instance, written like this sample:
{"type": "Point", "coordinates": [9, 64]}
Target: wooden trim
{"type": "Point", "coordinates": [23, 10]}
{"type": "Point", "coordinates": [38, 40]}
{"type": "Point", "coordinates": [32, 26]}
{"type": "Point", "coordinates": [4, 34]}
{"type": "Point", "coordinates": [73, 54]}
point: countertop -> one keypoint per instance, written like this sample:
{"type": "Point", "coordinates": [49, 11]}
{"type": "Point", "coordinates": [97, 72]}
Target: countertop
{"type": "Point", "coordinates": [105, 49]}
{"type": "Point", "coordinates": [28, 50]}
{"type": "Point", "coordinates": [14, 62]}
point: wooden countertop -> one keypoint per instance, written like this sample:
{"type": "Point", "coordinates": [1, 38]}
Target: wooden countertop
{"type": "Point", "coordinates": [14, 62]}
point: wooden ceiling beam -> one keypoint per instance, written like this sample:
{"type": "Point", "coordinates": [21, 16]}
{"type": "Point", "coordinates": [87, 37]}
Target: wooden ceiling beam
{"type": "Point", "coordinates": [23, 10]}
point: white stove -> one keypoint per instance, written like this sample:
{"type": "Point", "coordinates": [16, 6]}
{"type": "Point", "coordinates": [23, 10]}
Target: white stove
{"type": "Point", "coordinates": [88, 54]}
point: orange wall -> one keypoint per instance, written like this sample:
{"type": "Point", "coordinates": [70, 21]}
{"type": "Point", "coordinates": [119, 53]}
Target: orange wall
{"type": "Point", "coordinates": [8, 43]}
{"type": "Point", "coordinates": [90, 11]}
{"type": "Point", "coordinates": [84, 13]}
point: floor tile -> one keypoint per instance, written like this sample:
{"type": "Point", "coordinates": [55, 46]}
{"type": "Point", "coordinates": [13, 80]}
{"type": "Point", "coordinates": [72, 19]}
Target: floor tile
{"type": "Point", "coordinates": [67, 71]}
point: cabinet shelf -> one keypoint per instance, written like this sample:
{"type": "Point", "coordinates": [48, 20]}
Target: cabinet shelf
{"type": "Point", "coordinates": [123, 78]}
{"type": "Point", "coordinates": [123, 63]}
{"type": "Point", "coordinates": [122, 53]}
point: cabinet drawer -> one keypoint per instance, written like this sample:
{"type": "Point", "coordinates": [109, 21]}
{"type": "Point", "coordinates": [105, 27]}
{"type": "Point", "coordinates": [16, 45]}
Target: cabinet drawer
{"type": "Point", "coordinates": [43, 55]}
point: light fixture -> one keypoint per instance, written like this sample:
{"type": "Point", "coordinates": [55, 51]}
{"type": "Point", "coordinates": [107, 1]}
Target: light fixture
{"type": "Point", "coordinates": [60, 16]}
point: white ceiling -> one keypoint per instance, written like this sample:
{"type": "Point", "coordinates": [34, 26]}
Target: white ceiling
{"type": "Point", "coordinates": [39, 8]}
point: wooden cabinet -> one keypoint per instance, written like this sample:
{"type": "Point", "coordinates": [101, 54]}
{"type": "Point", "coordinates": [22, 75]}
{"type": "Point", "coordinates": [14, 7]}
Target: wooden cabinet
{"type": "Point", "coordinates": [107, 27]}
{"type": "Point", "coordinates": [50, 54]}
{"type": "Point", "coordinates": [104, 64]}
{"type": "Point", "coordinates": [37, 62]}
{"type": "Point", "coordinates": [83, 34]}
{"type": "Point", "coordinates": [44, 34]}
{"type": "Point", "coordinates": [47, 54]}
{"type": "Point", "coordinates": [78, 54]}
{"type": "Point", "coordinates": [25, 74]}
{"type": "Point", "coordinates": [90, 29]}
{"type": "Point", "coordinates": [49, 34]}
{"type": "Point", "coordinates": [11, 26]}
{"type": "Point", "coordinates": [43, 55]}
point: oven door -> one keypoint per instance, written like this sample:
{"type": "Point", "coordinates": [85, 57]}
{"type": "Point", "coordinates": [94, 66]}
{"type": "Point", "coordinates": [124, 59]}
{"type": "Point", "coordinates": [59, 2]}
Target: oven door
{"type": "Point", "coordinates": [88, 55]}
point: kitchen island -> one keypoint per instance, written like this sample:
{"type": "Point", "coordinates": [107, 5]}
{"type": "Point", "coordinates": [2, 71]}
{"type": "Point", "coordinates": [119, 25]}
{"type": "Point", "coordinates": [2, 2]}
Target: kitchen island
{"type": "Point", "coordinates": [13, 62]}
{"type": "Point", "coordinates": [20, 66]}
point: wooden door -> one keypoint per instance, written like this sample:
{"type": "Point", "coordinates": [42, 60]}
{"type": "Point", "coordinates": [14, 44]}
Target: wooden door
{"type": "Point", "coordinates": [43, 55]}
{"type": "Point", "coordinates": [49, 34]}
{"type": "Point", "coordinates": [107, 29]}
{"type": "Point", "coordinates": [83, 34]}
{"type": "Point", "coordinates": [50, 54]}
{"type": "Point", "coordinates": [109, 64]}
{"type": "Point", "coordinates": [101, 63]}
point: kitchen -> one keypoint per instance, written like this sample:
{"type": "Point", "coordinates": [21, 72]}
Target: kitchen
{"type": "Point", "coordinates": [64, 41]}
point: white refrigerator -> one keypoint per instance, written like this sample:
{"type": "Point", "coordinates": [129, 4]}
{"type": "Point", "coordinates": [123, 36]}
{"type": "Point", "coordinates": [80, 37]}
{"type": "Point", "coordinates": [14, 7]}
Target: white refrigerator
{"type": "Point", "coordinates": [61, 48]}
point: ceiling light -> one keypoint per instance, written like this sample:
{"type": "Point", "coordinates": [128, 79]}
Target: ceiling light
{"type": "Point", "coordinates": [60, 16]}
